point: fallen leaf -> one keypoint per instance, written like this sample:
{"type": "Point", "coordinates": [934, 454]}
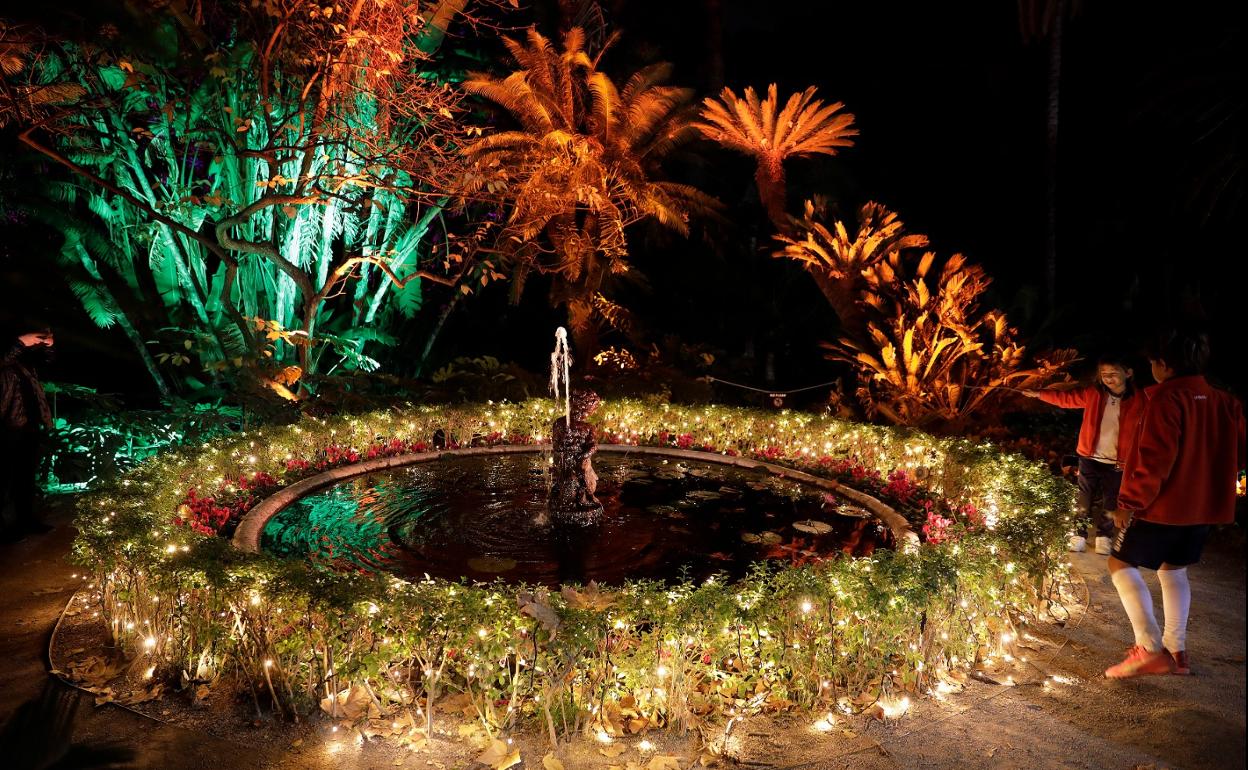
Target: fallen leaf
{"type": "Point", "coordinates": [537, 606]}
{"type": "Point", "coordinates": [664, 762]}
{"type": "Point", "coordinates": [495, 752]}
{"type": "Point", "coordinates": [499, 755]}
{"type": "Point", "coordinates": [350, 704]}
{"type": "Point", "coordinates": [613, 750]}
{"type": "Point", "coordinates": [589, 599]}
{"type": "Point", "coordinates": [550, 762]}
{"type": "Point", "coordinates": [457, 702]}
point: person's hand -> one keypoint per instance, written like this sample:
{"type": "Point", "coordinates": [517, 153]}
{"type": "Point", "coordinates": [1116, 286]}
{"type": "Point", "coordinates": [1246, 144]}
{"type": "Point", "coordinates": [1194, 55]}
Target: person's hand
{"type": "Point", "coordinates": [1121, 518]}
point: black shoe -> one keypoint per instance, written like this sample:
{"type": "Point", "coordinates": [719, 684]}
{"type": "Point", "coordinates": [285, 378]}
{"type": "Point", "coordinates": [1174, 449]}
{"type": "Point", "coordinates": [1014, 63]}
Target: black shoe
{"type": "Point", "coordinates": [39, 528]}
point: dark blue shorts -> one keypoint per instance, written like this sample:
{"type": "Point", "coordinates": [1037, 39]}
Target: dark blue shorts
{"type": "Point", "coordinates": [1149, 545]}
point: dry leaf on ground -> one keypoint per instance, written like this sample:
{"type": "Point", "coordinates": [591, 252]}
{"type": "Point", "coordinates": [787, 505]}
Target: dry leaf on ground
{"type": "Point", "coordinates": [550, 762]}
{"type": "Point", "coordinates": [499, 755]}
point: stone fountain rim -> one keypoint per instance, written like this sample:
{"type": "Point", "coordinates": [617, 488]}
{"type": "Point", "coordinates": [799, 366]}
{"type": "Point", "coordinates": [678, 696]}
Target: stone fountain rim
{"type": "Point", "coordinates": [247, 535]}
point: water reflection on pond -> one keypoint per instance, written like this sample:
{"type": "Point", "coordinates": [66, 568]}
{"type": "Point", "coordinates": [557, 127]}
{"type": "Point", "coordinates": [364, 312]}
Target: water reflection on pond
{"type": "Point", "coordinates": [485, 517]}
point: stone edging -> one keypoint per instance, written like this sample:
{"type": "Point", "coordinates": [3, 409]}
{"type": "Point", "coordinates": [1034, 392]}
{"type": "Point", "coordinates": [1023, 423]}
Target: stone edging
{"type": "Point", "coordinates": [247, 536]}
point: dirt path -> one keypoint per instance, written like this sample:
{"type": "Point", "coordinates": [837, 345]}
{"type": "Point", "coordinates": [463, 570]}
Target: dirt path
{"type": "Point", "coordinates": [1080, 720]}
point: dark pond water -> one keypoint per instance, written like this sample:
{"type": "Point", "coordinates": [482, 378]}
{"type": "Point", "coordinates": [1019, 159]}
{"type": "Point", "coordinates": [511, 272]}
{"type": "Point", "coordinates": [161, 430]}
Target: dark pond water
{"type": "Point", "coordinates": [485, 517]}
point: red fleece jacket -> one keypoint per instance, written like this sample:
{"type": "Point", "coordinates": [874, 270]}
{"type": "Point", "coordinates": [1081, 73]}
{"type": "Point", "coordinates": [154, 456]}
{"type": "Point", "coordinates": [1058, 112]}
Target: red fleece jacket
{"type": "Point", "coordinates": [1091, 399]}
{"type": "Point", "coordinates": [1189, 449]}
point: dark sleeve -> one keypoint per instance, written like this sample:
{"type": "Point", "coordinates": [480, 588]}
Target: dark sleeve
{"type": "Point", "coordinates": [10, 394]}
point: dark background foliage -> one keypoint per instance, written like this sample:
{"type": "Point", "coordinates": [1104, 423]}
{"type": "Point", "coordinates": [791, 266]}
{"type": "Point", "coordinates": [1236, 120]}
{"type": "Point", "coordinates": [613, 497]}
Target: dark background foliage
{"type": "Point", "coordinates": [951, 103]}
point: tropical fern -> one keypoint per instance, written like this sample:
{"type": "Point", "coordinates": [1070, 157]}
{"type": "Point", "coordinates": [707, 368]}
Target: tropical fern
{"type": "Point", "coordinates": [97, 304]}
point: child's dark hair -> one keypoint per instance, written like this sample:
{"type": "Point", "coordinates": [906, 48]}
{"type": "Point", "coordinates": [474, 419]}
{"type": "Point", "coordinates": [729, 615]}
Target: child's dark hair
{"type": "Point", "coordinates": [1183, 349]}
{"type": "Point", "coordinates": [1114, 358]}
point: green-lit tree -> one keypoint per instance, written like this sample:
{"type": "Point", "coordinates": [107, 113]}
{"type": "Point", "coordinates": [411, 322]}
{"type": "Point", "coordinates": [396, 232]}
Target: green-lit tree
{"type": "Point", "coordinates": [267, 174]}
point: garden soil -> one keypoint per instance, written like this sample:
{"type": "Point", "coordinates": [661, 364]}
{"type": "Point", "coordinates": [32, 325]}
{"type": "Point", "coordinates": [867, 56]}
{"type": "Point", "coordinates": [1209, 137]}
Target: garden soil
{"type": "Point", "coordinates": [1059, 712]}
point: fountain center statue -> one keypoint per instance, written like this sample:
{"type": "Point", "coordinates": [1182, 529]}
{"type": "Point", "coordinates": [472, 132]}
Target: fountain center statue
{"type": "Point", "coordinates": [573, 481]}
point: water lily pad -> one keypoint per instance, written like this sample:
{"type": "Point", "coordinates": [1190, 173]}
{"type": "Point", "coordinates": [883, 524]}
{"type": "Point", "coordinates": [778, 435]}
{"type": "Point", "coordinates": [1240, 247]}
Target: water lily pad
{"type": "Point", "coordinates": [853, 511]}
{"type": "Point", "coordinates": [770, 538]}
{"type": "Point", "coordinates": [813, 527]}
{"type": "Point", "coordinates": [750, 537]}
{"type": "Point", "coordinates": [662, 510]}
{"type": "Point", "coordinates": [492, 564]}
{"type": "Point", "coordinates": [704, 494]}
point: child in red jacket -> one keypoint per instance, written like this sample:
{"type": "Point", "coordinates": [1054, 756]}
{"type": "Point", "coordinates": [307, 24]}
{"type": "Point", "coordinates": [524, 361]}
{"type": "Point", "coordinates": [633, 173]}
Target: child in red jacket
{"type": "Point", "coordinates": [1179, 480]}
{"type": "Point", "coordinates": [1111, 408]}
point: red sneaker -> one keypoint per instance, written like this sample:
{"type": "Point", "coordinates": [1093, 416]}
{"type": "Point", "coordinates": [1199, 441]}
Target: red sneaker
{"type": "Point", "coordinates": [1139, 662]}
{"type": "Point", "coordinates": [1181, 666]}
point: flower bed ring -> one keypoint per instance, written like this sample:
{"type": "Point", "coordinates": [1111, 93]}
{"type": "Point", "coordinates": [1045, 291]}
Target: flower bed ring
{"type": "Point", "coordinates": [250, 528]}
{"type": "Point", "coordinates": [297, 638]}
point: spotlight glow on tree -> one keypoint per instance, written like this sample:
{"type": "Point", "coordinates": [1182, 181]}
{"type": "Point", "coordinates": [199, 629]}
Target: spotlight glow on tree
{"type": "Point", "coordinates": [267, 175]}
{"type": "Point", "coordinates": [580, 168]}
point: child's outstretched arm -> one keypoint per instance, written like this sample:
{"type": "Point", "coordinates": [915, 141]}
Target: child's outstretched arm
{"type": "Point", "coordinates": [1076, 398]}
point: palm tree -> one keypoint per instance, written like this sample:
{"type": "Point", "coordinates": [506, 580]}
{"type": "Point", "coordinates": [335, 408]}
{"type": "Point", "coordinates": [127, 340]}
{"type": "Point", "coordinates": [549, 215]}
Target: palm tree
{"type": "Point", "coordinates": [580, 168]}
{"type": "Point", "coordinates": [804, 127]}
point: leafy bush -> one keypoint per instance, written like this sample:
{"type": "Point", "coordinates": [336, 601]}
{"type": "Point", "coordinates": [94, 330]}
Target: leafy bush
{"type": "Point", "coordinates": [96, 439]}
{"type": "Point", "coordinates": [924, 351]}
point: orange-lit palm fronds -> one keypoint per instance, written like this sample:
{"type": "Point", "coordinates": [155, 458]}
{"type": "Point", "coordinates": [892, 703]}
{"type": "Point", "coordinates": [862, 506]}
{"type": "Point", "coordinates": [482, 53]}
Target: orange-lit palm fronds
{"type": "Point", "coordinates": [771, 134]}
{"type": "Point", "coordinates": [837, 260]}
{"type": "Point", "coordinates": [581, 165]}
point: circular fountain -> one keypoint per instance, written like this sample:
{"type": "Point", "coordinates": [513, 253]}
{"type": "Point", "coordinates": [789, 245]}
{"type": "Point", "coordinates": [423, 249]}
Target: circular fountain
{"type": "Point", "coordinates": [486, 516]}
{"type": "Point", "coordinates": [545, 518]}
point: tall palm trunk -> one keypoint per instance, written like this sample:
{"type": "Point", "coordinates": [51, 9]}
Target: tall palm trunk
{"type": "Point", "coordinates": [1050, 166]}
{"type": "Point", "coordinates": [771, 191]}
{"type": "Point", "coordinates": [714, 10]}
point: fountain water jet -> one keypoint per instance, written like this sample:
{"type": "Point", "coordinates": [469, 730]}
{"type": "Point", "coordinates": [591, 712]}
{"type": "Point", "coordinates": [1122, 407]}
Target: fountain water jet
{"type": "Point", "coordinates": [573, 480]}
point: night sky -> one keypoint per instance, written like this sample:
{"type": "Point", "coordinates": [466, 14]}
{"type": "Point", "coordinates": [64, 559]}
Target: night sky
{"type": "Point", "coordinates": [951, 106]}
